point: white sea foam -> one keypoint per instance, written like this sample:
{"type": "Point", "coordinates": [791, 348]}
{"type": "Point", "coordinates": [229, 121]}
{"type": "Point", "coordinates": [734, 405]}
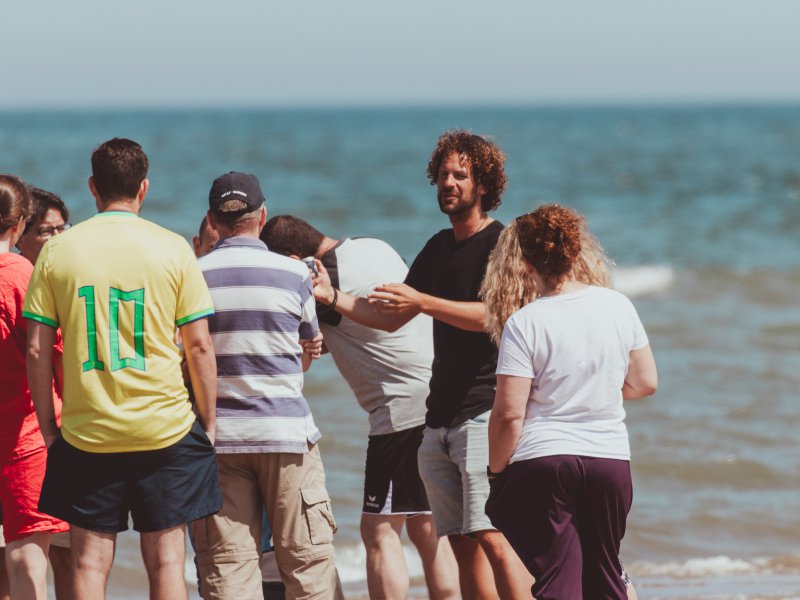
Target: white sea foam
{"type": "Point", "coordinates": [696, 567]}
{"type": "Point", "coordinates": [645, 279]}
{"type": "Point", "coordinates": [351, 562]}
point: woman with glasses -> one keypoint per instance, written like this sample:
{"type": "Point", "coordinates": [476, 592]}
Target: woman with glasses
{"type": "Point", "coordinates": [558, 448]}
{"type": "Point", "coordinates": [49, 217]}
{"type": "Point", "coordinates": [22, 451]}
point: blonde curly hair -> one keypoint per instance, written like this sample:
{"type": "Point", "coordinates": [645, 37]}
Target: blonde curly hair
{"type": "Point", "coordinates": [507, 285]}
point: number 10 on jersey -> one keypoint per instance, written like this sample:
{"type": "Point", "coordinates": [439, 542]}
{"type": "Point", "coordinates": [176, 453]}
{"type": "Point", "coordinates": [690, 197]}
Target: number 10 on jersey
{"type": "Point", "coordinates": [115, 296]}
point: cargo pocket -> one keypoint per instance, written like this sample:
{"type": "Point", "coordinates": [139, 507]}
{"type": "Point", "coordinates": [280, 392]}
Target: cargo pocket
{"type": "Point", "coordinates": [319, 516]}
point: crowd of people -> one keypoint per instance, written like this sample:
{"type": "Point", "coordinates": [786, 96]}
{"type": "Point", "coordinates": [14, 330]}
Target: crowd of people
{"type": "Point", "coordinates": [142, 381]}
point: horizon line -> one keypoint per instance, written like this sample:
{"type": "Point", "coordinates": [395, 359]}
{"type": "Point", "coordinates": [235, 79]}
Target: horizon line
{"type": "Point", "coordinates": [421, 105]}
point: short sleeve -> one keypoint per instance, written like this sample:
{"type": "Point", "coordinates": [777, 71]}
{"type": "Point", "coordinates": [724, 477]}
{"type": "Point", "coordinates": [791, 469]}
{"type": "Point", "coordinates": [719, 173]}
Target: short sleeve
{"type": "Point", "coordinates": [40, 304]}
{"type": "Point", "coordinates": [516, 354]}
{"type": "Point", "coordinates": [418, 276]}
{"type": "Point", "coordinates": [640, 339]}
{"type": "Point", "coordinates": [309, 327]}
{"type": "Point", "coordinates": [194, 299]}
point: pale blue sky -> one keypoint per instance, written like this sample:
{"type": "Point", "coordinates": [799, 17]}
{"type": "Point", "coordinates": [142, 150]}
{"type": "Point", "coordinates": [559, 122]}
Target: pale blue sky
{"type": "Point", "coordinates": [86, 53]}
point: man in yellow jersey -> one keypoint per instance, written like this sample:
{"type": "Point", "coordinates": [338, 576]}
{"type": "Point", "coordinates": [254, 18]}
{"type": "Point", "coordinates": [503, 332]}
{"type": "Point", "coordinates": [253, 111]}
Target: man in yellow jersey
{"type": "Point", "coordinates": [118, 285]}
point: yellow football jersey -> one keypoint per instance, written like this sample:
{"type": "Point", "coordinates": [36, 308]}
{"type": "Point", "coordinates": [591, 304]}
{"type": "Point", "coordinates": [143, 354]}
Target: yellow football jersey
{"type": "Point", "coordinates": [118, 285]}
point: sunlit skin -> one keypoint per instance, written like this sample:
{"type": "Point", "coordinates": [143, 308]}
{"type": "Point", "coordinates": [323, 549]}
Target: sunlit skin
{"type": "Point", "coordinates": [456, 189]}
{"type": "Point", "coordinates": [31, 243]}
{"type": "Point", "coordinates": [204, 244]}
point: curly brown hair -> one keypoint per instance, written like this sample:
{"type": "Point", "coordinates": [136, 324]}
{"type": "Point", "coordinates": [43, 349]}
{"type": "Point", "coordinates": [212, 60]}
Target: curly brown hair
{"type": "Point", "coordinates": [550, 240]}
{"type": "Point", "coordinates": [485, 159]}
{"type": "Point", "coordinates": [507, 286]}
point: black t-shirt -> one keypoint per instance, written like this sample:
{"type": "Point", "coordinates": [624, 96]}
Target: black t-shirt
{"type": "Point", "coordinates": [463, 379]}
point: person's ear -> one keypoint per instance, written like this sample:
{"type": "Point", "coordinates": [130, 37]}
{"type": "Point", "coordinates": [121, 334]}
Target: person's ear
{"type": "Point", "coordinates": [212, 220]}
{"type": "Point", "coordinates": [98, 202]}
{"type": "Point", "coordinates": [17, 231]}
{"type": "Point", "coordinates": [144, 187]}
{"type": "Point", "coordinates": [93, 189]}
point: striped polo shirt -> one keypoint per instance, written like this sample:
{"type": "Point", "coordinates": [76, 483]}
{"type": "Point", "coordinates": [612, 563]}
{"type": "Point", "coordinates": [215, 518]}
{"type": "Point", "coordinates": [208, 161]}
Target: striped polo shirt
{"type": "Point", "coordinates": [263, 307]}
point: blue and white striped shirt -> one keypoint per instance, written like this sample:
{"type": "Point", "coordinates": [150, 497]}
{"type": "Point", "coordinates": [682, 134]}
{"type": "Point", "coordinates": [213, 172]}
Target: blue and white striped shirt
{"type": "Point", "coordinates": [263, 307]}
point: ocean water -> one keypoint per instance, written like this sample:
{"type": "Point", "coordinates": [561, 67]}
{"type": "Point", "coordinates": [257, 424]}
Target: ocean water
{"type": "Point", "coordinates": [699, 207]}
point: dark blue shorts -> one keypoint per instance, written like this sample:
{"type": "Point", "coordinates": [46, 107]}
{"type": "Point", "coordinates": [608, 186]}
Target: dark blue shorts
{"type": "Point", "coordinates": [160, 489]}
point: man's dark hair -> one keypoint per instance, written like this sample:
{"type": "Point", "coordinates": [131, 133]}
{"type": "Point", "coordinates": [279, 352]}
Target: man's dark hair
{"type": "Point", "coordinates": [289, 235]}
{"type": "Point", "coordinates": [118, 167]}
{"type": "Point", "coordinates": [42, 202]}
{"type": "Point", "coordinates": [486, 161]}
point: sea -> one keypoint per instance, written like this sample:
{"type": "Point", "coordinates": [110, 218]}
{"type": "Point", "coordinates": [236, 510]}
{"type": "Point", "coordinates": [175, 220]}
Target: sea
{"type": "Point", "coordinates": [699, 206]}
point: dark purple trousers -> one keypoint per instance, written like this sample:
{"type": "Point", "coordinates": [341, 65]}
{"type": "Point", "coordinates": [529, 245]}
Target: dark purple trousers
{"type": "Point", "coordinates": [565, 517]}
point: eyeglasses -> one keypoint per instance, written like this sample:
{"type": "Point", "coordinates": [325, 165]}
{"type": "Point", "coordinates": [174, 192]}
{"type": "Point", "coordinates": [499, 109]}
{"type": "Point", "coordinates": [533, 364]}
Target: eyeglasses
{"type": "Point", "coordinates": [48, 232]}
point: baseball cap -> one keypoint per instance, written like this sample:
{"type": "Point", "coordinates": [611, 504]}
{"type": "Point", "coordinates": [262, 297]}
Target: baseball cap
{"type": "Point", "coordinates": [235, 186]}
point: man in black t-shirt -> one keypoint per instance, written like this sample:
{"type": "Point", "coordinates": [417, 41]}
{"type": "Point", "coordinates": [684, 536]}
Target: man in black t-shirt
{"type": "Point", "coordinates": [443, 282]}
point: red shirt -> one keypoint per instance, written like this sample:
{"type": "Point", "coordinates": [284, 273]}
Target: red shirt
{"type": "Point", "coordinates": [19, 428]}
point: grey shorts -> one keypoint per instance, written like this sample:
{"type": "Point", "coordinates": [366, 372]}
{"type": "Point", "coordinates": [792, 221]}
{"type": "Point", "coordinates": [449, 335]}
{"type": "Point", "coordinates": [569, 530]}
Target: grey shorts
{"type": "Point", "coordinates": [452, 464]}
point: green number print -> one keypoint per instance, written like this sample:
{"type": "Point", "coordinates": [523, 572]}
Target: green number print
{"type": "Point", "coordinates": [87, 293]}
{"type": "Point", "coordinates": [115, 296]}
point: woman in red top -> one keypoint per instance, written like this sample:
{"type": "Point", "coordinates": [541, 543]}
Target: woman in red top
{"type": "Point", "coordinates": [23, 454]}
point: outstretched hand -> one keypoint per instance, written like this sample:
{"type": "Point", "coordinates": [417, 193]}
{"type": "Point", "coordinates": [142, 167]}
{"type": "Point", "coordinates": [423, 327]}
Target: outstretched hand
{"type": "Point", "coordinates": [397, 298]}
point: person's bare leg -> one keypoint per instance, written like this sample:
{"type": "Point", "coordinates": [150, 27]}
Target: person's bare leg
{"type": "Point", "coordinates": [512, 578]}
{"type": "Point", "coordinates": [475, 575]}
{"type": "Point", "coordinates": [387, 573]}
{"type": "Point", "coordinates": [163, 554]}
{"type": "Point", "coordinates": [438, 561]}
{"type": "Point", "coordinates": [26, 561]}
{"type": "Point", "coordinates": [632, 595]}
{"type": "Point", "coordinates": [60, 561]}
{"type": "Point", "coordinates": [3, 576]}
{"type": "Point", "coordinates": [92, 557]}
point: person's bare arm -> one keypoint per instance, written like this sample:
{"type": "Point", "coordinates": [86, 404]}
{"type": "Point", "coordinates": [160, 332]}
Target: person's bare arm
{"type": "Point", "coordinates": [39, 365]}
{"type": "Point", "coordinates": [203, 372]}
{"type": "Point", "coordinates": [401, 298]}
{"type": "Point", "coordinates": [642, 377]}
{"type": "Point", "coordinates": [505, 422]}
{"type": "Point", "coordinates": [58, 373]}
{"type": "Point", "coordinates": [358, 309]}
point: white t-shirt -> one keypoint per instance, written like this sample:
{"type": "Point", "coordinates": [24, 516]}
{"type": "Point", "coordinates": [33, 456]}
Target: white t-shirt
{"type": "Point", "coordinates": [575, 347]}
{"type": "Point", "coordinates": [389, 373]}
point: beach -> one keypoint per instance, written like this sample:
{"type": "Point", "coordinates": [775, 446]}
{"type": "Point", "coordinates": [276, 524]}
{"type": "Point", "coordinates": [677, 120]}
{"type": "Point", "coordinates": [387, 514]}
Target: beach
{"type": "Point", "coordinates": [698, 206]}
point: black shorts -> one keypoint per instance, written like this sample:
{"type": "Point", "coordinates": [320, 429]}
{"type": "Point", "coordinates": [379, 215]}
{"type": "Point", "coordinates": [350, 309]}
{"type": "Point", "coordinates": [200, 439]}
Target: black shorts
{"type": "Point", "coordinates": [161, 489]}
{"type": "Point", "coordinates": [392, 485]}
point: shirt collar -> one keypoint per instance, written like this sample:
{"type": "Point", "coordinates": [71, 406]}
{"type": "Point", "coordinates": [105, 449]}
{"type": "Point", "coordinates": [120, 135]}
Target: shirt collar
{"type": "Point", "coordinates": [241, 241]}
